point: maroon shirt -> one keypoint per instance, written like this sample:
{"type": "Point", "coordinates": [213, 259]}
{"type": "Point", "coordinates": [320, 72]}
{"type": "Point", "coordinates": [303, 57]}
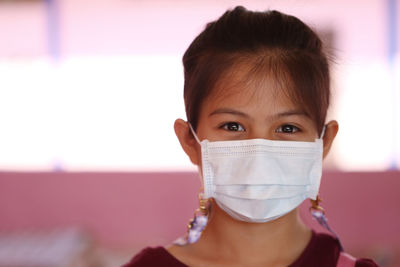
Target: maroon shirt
{"type": "Point", "coordinates": [322, 250]}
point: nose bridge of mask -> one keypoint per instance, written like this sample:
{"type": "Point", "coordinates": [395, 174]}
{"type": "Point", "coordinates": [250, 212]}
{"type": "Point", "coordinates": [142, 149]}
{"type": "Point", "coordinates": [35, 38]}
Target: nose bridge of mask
{"type": "Point", "coordinates": [256, 163]}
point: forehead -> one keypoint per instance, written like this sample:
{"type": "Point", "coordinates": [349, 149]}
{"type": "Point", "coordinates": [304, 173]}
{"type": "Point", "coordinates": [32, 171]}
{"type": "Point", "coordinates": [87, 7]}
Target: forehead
{"type": "Point", "coordinates": [252, 86]}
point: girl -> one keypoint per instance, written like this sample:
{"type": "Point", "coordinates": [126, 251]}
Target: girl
{"type": "Point", "coordinates": [256, 92]}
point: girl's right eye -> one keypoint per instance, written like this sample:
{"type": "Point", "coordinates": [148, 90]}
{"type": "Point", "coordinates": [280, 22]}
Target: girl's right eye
{"type": "Point", "coordinates": [233, 127]}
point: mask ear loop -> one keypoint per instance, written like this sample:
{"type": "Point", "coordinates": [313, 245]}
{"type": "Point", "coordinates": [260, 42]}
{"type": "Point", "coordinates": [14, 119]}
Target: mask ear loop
{"type": "Point", "coordinates": [194, 133]}
{"type": "Point", "coordinates": [318, 212]}
{"type": "Point", "coordinates": [323, 132]}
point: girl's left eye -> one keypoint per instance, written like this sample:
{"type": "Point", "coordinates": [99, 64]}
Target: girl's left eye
{"type": "Point", "coordinates": [233, 127]}
{"type": "Point", "coordinates": [287, 128]}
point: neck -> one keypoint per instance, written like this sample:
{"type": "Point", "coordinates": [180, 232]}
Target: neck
{"type": "Point", "coordinates": [284, 238]}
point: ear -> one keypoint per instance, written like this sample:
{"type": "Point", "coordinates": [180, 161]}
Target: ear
{"type": "Point", "coordinates": [330, 133]}
{"type": "Point", "coordinates": [187, 140]}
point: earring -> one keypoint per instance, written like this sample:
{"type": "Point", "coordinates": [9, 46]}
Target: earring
{"type": "Point", "coordinates": [199, 221]}
{"type": "Point", "coordinates": [318, 213]}
{"type": "Point", "coordinates": [315, 205]}
{"type": "Point", "coordinates": [197, 224]}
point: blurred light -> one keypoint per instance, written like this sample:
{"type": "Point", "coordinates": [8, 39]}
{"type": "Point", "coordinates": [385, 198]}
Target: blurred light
{"type": "Point", "coordinates": [365, 140]}
{"type": "Point", "coordinates": [103, 113]}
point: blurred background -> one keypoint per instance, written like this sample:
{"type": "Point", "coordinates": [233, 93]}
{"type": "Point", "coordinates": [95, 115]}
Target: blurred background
{"type": "Point", "coordinates": [90, 168]}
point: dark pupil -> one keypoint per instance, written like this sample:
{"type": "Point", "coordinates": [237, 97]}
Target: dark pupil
{"type": "Point", "coordinates": [233, 126]}
{"type": "Point", "coordinates": [287, 129]}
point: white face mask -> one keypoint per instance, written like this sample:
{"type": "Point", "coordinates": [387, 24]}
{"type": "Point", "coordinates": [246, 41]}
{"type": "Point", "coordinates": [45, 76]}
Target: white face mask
{"type": "Point", "coordinates": [260, 180]}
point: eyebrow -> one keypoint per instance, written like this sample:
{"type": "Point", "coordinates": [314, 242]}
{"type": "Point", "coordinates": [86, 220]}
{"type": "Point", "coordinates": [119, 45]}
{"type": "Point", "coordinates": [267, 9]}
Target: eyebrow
{"type": "Point", "coordinates": [228, 111]}
{"type": "Point", "coordinates": [288, 113]}
{"type": "Point", "coordinates": [295, 112]}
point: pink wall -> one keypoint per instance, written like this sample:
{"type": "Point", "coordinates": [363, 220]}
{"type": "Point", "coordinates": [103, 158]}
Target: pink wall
{"type": "Point", "coordinates": [167, 26]}
{"type": "Point", "coordinates": [138, 209]}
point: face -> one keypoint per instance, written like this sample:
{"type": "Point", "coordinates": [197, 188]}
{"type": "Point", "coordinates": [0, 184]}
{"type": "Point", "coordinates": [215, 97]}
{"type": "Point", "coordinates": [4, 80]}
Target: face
{"type": "Point", "coordinates": [242, 108]}
{"type": "Point", "coordinates": [238, 110]}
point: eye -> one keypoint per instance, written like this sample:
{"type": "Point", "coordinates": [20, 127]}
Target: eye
{"type": "Point", "coordinates": [233, 127]}
{"type": "Point", "coordinates": [287, 128]}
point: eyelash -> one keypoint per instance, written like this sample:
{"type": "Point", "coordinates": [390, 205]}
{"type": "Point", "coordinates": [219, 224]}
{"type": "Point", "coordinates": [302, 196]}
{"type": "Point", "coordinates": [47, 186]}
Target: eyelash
{"type": "Point", "coordinates": [225, 126]}
{"type": "Point", "coordinates": [294, 128]}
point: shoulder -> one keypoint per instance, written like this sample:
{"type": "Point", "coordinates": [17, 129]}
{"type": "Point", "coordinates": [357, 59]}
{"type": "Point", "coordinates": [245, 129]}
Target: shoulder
{"type": "Point", "coordinates": [329, 242]}
{"type": "Point", "coordinates": [366, 263]}
{"type": "Point", "coordinates": [324, 250]}
{"type": "Point", "coordinates": [157, 256]}
{"type": "Point", "coordinates": [346, 259]}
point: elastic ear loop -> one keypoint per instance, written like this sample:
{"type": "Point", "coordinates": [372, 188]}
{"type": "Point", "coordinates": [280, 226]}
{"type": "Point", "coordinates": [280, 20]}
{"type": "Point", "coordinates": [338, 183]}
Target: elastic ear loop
{"type": "Point", "coordinates": [318, 212]}
{"type": "Point", "coordinates": [193, 132]}
{"type": "Point", "coordinates": [323, 132]}
{"type": "Point", "coordinates": [200, 218]}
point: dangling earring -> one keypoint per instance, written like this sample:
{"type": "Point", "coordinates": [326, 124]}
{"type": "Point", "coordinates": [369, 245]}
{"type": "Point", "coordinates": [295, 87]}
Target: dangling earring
{"type": "Point", "coordinates": [197, 224]}
{"type": "Point", "coordinates": [199, 221]}
{"type": "Point", "coordinates": [318, 213]}
{"type": "Point", "coordinates": [315, 205]}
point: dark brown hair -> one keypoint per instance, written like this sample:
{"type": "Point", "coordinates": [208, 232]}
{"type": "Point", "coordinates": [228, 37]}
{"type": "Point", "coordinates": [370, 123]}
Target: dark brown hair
{"type": "Point", "coordinates": [291, 50]}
